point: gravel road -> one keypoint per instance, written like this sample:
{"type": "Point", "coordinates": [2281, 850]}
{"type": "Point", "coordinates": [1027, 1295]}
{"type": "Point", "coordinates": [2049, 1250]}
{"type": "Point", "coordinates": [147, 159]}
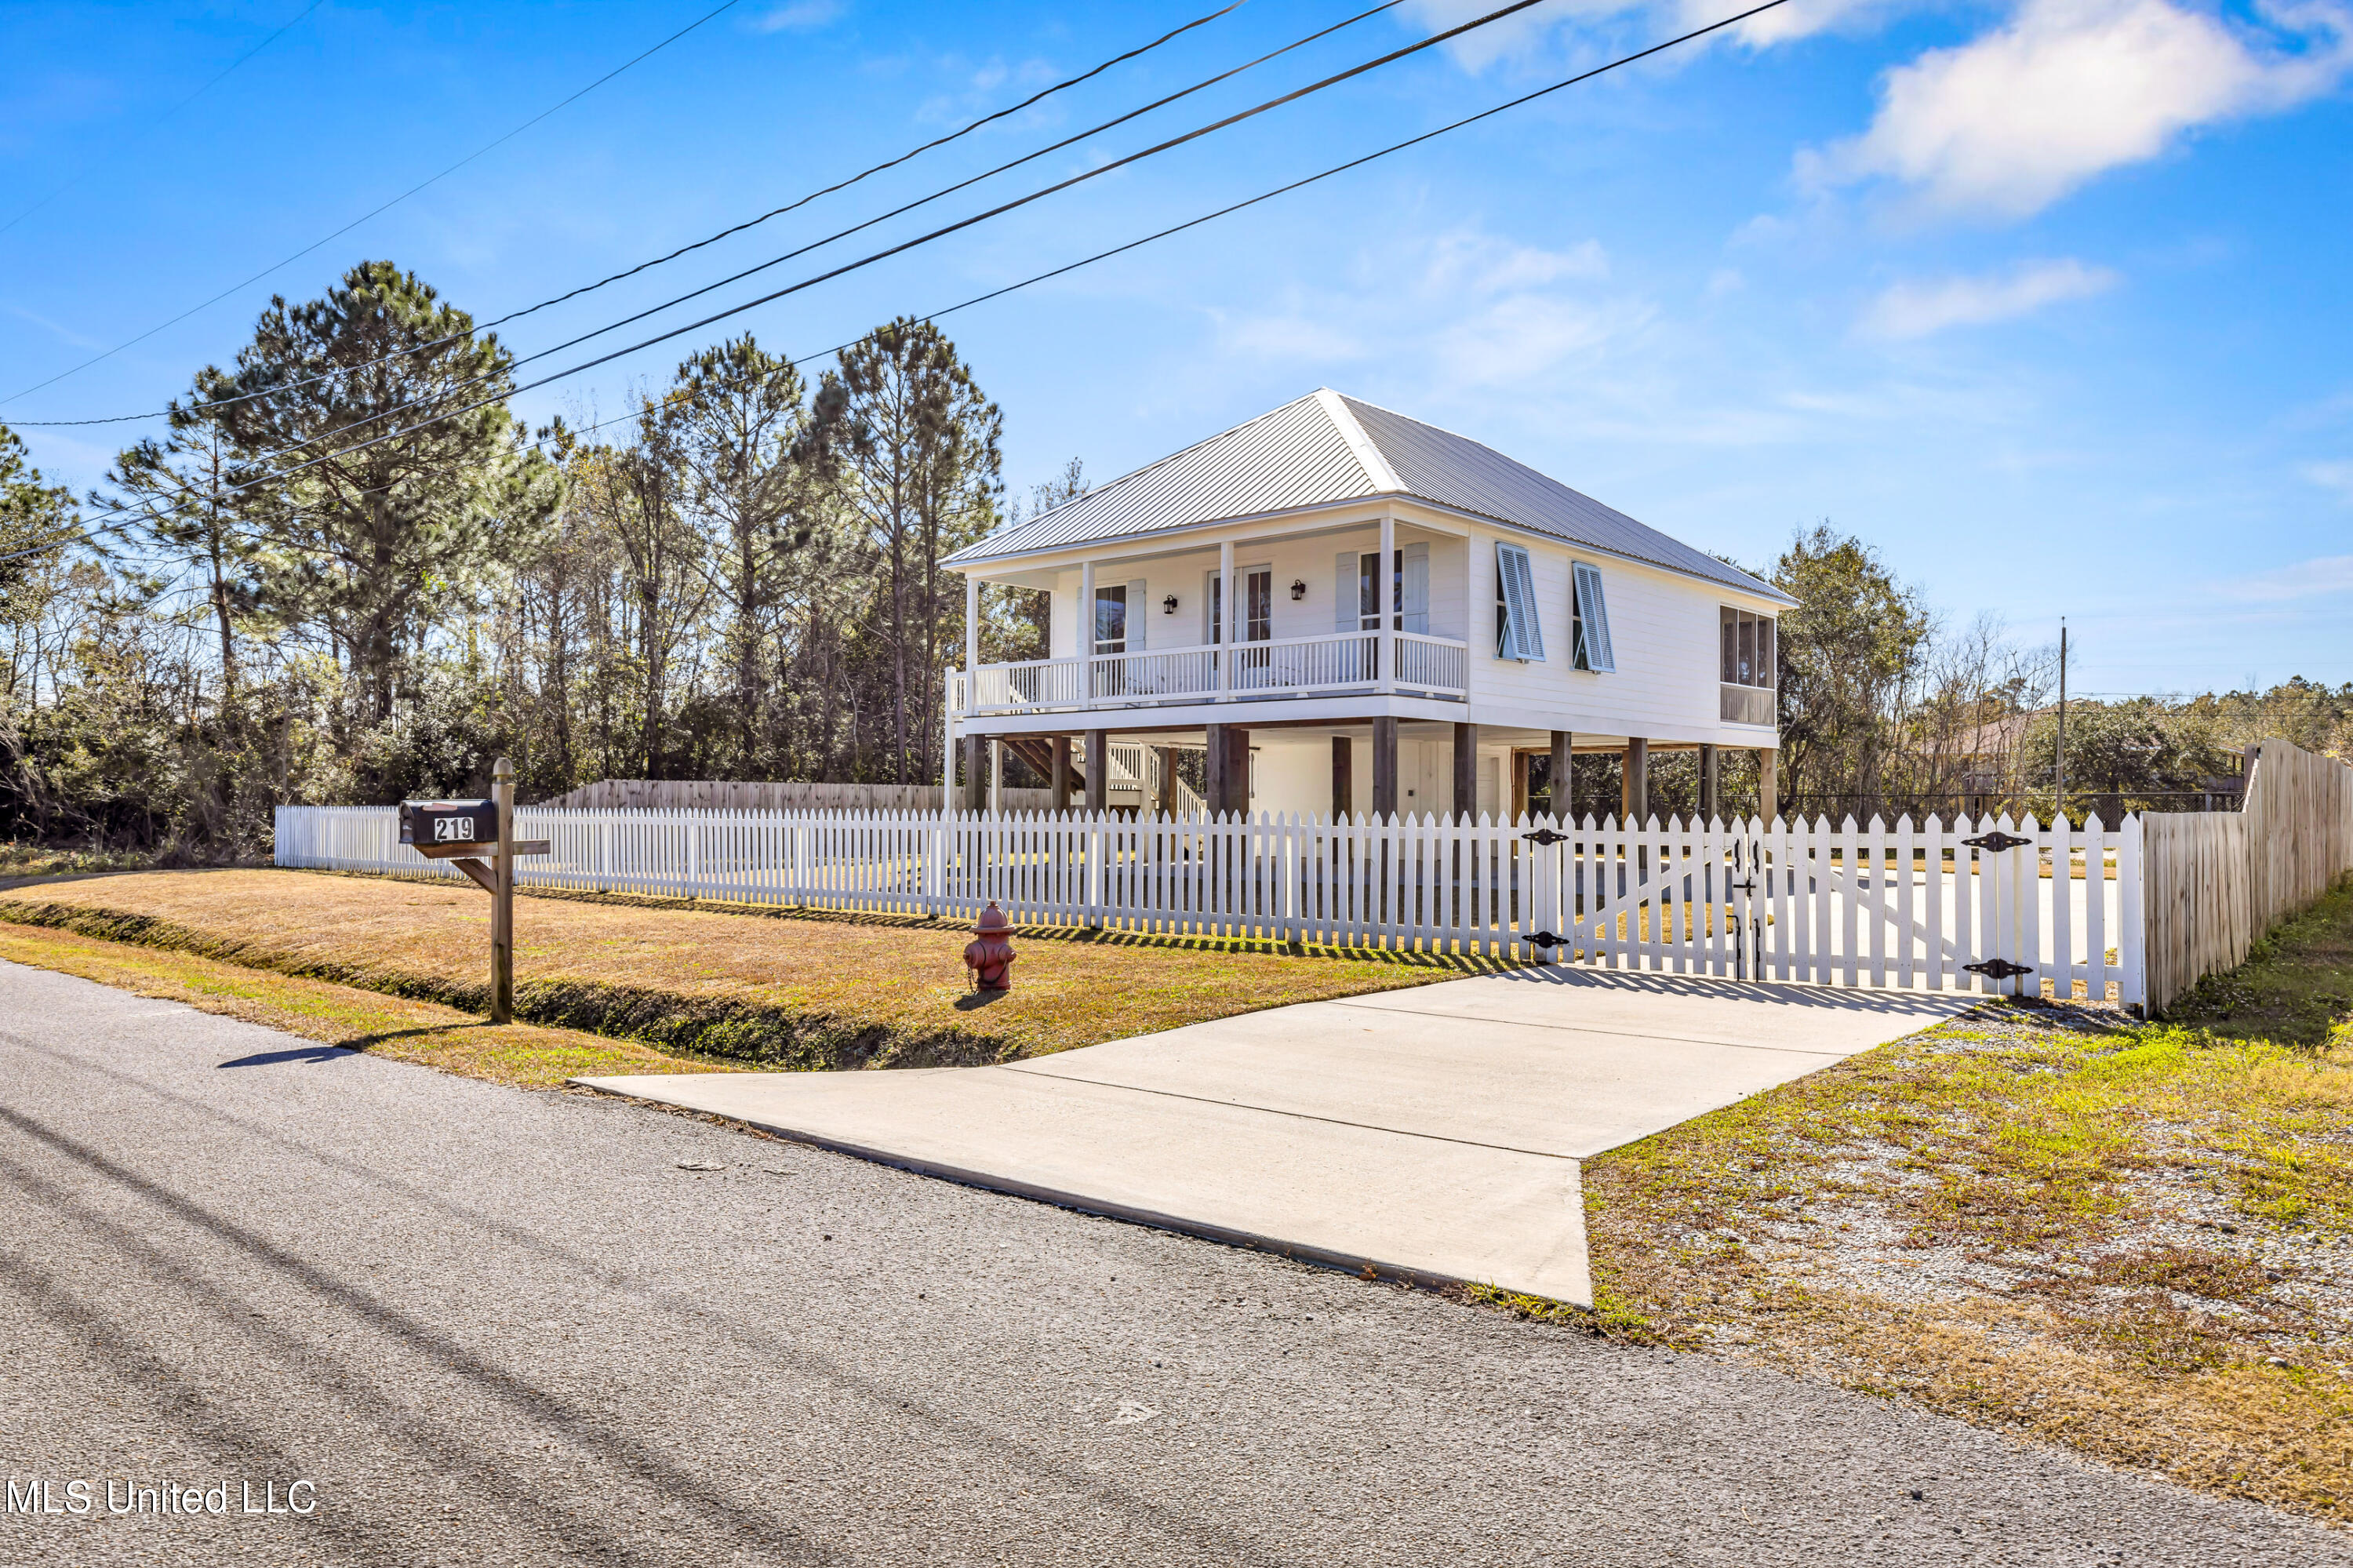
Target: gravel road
{"type": "Point", "coordinates": [496, 1327]}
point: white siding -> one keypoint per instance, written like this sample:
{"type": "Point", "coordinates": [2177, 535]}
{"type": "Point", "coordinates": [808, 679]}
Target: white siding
{"type": "Point", "coordinates": [1664, 627]}
{"type": "Point", "coordinates": [1292, 773]}
{"type": "Point", "coordinates": [1309, 560]}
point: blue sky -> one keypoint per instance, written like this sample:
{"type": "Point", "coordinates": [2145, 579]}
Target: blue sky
{"type": "Point", "coordinates": [2045, 299]}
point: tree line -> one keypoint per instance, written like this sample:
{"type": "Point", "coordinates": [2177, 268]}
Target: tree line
{"type": "Point", "coordinates": [344, 570]}
{"type": "Point", "coordinates": [1886, 708]}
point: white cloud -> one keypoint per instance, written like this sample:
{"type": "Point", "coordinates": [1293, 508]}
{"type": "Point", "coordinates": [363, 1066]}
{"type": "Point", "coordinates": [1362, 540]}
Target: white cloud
{"type": "Point", "coordinates": [56, 329]}
{"type": "Point", "coordinates": [1468, 261]}
{"type": "Point", "coordinates": [800, 17]}
{"type": "Point", "coordinates": [1289, 337]}
{"type": "Point", "coordinates": [1524, 341]}
{"type": "Point", "coordinates": [2066, 89]}
{"type": "Point", "coordinates": [1784, 24]}
{"type": "Point", "coordinates": [2306, 580]}
{"type": "Point", "coordinates": [1513, 36]}
{"type": "Point", "coordinates": [1917, 309]}
{"type": "Point", "coordinates": [2336, 476]}
{"type": "Point", "coordinates": [1523, 35]}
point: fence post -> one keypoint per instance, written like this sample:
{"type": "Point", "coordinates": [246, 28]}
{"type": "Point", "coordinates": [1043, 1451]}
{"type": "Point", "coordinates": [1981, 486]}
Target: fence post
{"type": "Point", "coordinates": [2132, 980]}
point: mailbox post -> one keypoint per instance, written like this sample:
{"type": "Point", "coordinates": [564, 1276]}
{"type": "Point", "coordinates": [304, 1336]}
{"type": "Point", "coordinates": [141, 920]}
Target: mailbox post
{"type": "Point", "coordinates": [462, 832]}
{"type": "Point", "coordinates": [503, 897]}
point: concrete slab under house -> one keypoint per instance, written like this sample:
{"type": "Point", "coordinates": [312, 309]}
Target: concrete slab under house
{"type": "Point", "coordinates": [1226, 636]}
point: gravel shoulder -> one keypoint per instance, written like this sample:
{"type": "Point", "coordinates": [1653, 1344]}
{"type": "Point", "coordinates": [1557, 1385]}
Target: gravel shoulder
{"type": "Point", "coordinates": [499, 1326]}
{"type": "Point", "coordinates": [2050, 1220]}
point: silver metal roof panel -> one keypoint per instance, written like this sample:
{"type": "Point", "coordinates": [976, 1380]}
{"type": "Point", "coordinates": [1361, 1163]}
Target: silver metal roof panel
{"type": "Point", "coordinates": [1295, 456]}
{"type": "Point", "coordinates": [1325, 447]}
{"type": "Point", "coordinates": [1455, 471]}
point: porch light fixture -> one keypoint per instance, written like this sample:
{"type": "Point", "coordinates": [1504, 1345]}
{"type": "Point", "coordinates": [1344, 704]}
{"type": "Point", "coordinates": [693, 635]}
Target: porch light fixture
{"type": "Point", "coordinates": [1168, 605]}
{"type": "Point", "coordinates": [1298, 588]}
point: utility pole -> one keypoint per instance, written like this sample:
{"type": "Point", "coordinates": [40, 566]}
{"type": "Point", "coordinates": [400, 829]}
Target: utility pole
{"type": "Point", "coordinates": [2059, 793]}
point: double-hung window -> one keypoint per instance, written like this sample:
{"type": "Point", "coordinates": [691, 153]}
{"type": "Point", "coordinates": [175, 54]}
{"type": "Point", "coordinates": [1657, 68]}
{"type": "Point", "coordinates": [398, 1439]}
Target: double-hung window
{"type": "Point", "coordinates": [1745, 658]}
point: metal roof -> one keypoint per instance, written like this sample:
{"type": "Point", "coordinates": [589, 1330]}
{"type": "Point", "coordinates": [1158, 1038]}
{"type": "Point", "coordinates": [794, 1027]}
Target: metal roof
{"type": "Point", "coordinates": [1325, 448]}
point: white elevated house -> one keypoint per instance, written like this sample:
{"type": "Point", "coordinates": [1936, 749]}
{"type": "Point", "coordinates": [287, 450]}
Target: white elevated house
{"type": "Point", "coordinates": [1346, 609]}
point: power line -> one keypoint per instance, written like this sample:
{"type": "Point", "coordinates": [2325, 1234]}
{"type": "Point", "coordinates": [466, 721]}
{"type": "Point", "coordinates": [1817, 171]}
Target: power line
{"type": "Point", "coordinates": [792, 205]}
{"type": "Point", "coordinates": [89, 534]}
{"type": "Point", "coordinates": [1058, 271]}
{"type": "Point", "coordinates": [944, 141]}
{"type": "Point", "coordinates": [86, 163]}
{"type": "Point", "coordinates": [384, 208]}
{"type": "Point", "coordinates": [1082, 177]}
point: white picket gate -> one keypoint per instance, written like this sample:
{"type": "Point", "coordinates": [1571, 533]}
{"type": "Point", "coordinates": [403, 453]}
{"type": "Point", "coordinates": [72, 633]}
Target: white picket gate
{"type": "Point", "coordinates": [1936, 906]}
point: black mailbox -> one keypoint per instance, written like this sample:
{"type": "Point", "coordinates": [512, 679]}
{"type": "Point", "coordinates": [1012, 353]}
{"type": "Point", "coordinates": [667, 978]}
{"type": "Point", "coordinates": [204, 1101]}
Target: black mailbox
{"type": "Point", "coordinates": [440, 823]}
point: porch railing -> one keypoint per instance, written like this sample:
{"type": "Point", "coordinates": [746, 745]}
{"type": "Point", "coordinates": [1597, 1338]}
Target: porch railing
{"type": "Point", "coordinates": [1289, 667]}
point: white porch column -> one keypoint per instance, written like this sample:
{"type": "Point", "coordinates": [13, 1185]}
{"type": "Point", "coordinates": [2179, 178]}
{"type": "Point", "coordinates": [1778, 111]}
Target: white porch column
{"type": "Point", "coordinates": [1086, 616]}
{"type": "Point", "coordinates": [1086, 623]}
{"type": "Point", "coordinates": [1472, 602]}
{"type": "Point", "coordinates": [971, 643]}
{"type": "Point", "coordinates": [1386, 594]}
{"type": "Point", "coordinates": [1226, 620]}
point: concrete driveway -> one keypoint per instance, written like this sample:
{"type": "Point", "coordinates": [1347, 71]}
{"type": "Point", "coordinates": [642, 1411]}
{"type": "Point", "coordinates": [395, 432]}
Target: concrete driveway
{"type": "Point", "coordinates": [1433, 1132]}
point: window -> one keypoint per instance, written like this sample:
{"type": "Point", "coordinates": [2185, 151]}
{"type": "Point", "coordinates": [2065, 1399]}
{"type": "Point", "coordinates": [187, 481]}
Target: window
{"type": "Point", "coordinates": [1519, 634]}
{"type": "Point", "coordinates": [1589, 609]}
{"type": "Point", "coordinates": [1357, 604]}
{"type": "Point", "coordinates": [1258, 604]}
{"type": "Point", "coordinates": [1119, 616]}
{"type": "Point", "coordinates": [1110, 618]}
{"type": "Point", "coordinates": [1747, 666]}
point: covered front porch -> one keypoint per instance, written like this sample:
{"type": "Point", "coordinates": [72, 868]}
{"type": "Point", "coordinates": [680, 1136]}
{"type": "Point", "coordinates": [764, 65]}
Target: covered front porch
{"type": "Point", "coordinates": [1274, 611]}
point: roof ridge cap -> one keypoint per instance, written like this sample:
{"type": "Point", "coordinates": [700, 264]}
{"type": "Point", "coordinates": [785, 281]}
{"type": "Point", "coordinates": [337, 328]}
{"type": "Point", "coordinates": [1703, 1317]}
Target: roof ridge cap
{"type": "Point", "coordinates": [1361, 445]}
{"type": "Point", "coordinates": [1111, 484]}
{"type": "Point", "coordinates": [1441, 429]}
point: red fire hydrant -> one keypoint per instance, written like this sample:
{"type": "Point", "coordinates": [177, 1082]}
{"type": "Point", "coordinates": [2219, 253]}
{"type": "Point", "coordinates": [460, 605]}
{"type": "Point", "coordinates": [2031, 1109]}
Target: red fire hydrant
{"type": "Point", "coordinates": [990, 955]}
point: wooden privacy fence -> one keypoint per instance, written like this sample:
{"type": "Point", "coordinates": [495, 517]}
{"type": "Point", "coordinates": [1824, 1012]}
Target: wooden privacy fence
{"type": "Point", "coordinates": [2219, 881]}
{"type": "Point", "coordinates": [1994, 906]}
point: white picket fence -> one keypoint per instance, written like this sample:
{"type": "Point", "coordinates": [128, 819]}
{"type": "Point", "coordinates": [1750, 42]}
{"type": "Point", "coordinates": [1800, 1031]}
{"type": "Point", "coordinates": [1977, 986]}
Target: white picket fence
{"type": "Point", "coordinates": [1906, 906]}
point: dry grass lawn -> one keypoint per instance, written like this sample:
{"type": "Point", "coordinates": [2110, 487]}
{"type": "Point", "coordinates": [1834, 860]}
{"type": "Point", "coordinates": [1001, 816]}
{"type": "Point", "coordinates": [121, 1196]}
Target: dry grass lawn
{"type": "Point", "coordinates": [2133, 1239]}
{"type": "Point", "coordinates": [743, 984]}
{"type": "Point", "coordinates": [524, 1055]}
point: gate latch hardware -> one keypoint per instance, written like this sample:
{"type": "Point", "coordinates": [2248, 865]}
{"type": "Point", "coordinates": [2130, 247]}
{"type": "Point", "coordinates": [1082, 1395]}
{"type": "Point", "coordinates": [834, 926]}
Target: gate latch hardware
{"type": "Point", "coordinates": [1997, 842]}
{"type": "Point", "coordinates": [1546, 940]}
{"type": "Point", "coordinates": [1999, 968]}
{"type": "Point", "coordinates": [1546, 837]}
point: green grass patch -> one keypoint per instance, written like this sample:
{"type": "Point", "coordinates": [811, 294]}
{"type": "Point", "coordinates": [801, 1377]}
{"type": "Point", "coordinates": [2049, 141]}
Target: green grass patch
{"type": "Point", "coordinates": [2134, 1238]}
{"type": "Point", "coordinates": [2295, 988]}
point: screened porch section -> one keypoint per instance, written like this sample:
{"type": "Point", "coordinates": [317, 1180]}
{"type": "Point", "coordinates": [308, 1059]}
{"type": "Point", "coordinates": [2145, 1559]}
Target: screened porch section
{"type": "Point", "coordinates": [1746, 682]}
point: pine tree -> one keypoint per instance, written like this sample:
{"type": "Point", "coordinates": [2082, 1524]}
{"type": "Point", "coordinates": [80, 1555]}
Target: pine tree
{"type": "Point", "coordinates": [374, 545]}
